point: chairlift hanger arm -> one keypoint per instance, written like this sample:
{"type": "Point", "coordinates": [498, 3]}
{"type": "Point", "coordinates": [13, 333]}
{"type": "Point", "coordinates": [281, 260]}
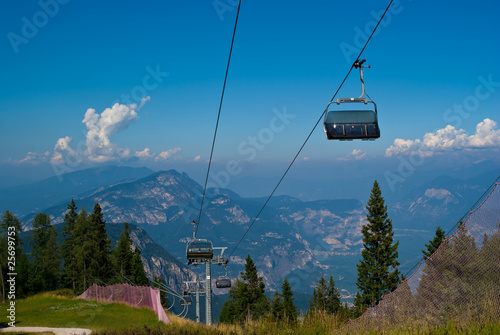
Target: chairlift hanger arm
{"type": "Point", "coordinates": [359, 64]}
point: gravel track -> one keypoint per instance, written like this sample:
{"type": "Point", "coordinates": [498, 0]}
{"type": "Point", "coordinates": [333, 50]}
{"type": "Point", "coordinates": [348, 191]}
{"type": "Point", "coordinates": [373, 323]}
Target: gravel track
{"type": "Point", "coordinates": [56, 331]}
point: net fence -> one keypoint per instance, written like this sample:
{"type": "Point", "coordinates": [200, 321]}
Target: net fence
{"type": "Point", "coordinates": [459, 282]}
{"type": "Point", "coordinates": [135, 296]}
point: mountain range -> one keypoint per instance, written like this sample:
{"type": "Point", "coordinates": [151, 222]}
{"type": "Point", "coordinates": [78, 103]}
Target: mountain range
{"type": "Point", "coordinates": [298, 239]}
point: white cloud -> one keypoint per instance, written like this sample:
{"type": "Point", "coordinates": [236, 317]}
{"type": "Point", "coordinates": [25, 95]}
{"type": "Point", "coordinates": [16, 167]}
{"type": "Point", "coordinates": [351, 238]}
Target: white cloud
{"type": "Point", "coordinates": [101, 127]}
{"type": "Point", "coordinates": [144, 154]}
{"type": "Point", "coordinates": [167, 154]}
{"type": "Point", "coordinates": [448, 138]}
{"type": "Point", "coordinates": [62, 151]}
{"type": "Point", "coordinates": [356, 154]}
{"type": "Point", "coordinates": [197, 158]}
{"type": "Point", "coordinates": [32, 158]}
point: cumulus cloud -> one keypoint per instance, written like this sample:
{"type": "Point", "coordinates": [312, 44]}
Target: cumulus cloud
{"type": "Point", "coordinates": [166, 154]}
{"type": "Point", "coordinates": [356, 154]}
{"type": "Point", "coordinates": [144, 154]}
{"type": "Point", "coordinates": [101, 127]}
{"type": "Point", "coordinates": [62, 150]}
{"type": "Point", "coordinates": [32, 158]}
{"type": "Point", "coordinates": [448, 138]}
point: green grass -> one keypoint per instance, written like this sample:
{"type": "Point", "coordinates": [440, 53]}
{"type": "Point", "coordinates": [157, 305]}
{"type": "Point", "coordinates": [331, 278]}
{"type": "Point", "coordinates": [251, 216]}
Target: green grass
{"type": "Point", "coordinates": [58, 310]}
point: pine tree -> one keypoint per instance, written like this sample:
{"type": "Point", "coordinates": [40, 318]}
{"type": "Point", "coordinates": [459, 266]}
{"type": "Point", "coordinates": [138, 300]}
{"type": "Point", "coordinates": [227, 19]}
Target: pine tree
{"type": "Point", "coordinates": [137, 271]}
{"type": "Point", "coordinates": [378, 272]}
{"type": "Point", "coordinates": [277, 306]}
{"type": "Point", "coordinates": [246, 297]}
{"type": "Point", "coordinates": [318, 301]}
{"type": "Point", "coordinates": [313, 301]}
{"type": "Point", "coordinates": [228, 312]}
{"type": "Point", "coordinates": [83, 250]}
{"type": "Point", "coordinates": [289, 308]}
{"type": "Point", "coordinates": [68, 248]}
{"type": "Point", "coordinates": [123, 254]}
{"type": "Point", "coordinates": [100, 264]}
{"type": "Point", "coordinates": [434, 244]}
{"type": "Point", "coordinates": [359, 306]}
{"type": "Point", "coordinates": [332, 302]}
{"type": "Point", "coordinates": [45, 251]}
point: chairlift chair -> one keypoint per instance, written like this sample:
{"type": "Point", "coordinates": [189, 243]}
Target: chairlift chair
{"type": "Point", "coordinates": [351, 124]}
{"type": "Point", "coordinates": [223, 282]}
{"type": "Point", "coordinates": [199, 250]}
{"type": "Point", "coordinates": [186, 300]}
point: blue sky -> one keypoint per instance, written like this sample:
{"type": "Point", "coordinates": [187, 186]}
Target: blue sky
{"type": "Point", "coordinates": [434, 71]}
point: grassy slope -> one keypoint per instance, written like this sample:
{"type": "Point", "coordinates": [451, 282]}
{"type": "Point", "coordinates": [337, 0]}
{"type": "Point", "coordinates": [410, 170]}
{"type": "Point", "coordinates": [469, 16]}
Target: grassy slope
{"type": "Point", "coordinates": [54, 310]}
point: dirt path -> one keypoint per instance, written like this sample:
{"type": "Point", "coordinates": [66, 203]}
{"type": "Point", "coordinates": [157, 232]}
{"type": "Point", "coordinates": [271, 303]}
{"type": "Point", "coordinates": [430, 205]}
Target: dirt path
{"type": "Point", "coordinates": [56, 331]}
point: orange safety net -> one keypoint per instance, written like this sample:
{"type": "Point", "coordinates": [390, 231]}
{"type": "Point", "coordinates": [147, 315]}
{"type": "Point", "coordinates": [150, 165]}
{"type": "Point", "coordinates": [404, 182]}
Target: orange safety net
{"type": "Point", "coordinates": [459, 283]}
{"type": "Point", "coordinates": [135, 296]}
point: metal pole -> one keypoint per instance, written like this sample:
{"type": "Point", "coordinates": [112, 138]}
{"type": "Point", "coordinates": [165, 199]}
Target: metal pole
{"type": "Point", "coordinates": [197, 304]}
{"type": "Point", "coordinates": [208, 294]}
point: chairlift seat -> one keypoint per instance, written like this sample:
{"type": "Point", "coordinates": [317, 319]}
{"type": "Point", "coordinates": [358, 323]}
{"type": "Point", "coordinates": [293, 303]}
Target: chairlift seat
{"type": "Point", "coordinates": [199, 251]}
{"type": "Point", "coordinates": [223, 282]}
{"type": "Point", "coordinates": [352, 124]}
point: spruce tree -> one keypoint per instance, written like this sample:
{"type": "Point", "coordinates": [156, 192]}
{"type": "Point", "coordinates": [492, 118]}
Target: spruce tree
{"type": "Point", "coordinates": [100, 265]}
{"type": "Point", "coordinates": [434, 244]}
{"type": "Point", "coordinates": [45, 251]}
{"type": "Point", "coordinates": [378, 272]}
{"type": "Point", "coordinates": [123, 254]}
{"type": "Point", "coordinates": [246, 300]}
{"type": "Point", "coordinates": [68, 248]}
{"type": "Point", "coordinates": [332, 303]}
{"type": "Point", "coordinates": [318, 301]}
{"type": "Point", "coordinates": [359, 307]}
{"type": "Point", "coordinates": [289, 308]}
{"type": "Point", "coordinates": [83, 250]}
{"type": "Point", "coordinates": [137, 271]}
{"type": "Point", "coordinates": [277, 306]}
{"type": "Point", "coordinates": [257, 303]}
{"type": "Point", "coordinates": [313, 301]}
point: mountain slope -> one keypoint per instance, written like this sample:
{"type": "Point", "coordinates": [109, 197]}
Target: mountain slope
{"type": "Point", "coordinates": [24, 199]}
{"type": "Point", "coordinates": [156, 260]}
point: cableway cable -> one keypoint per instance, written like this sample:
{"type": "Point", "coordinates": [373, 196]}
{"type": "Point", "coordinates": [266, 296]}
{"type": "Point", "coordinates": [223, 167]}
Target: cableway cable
{"type": "Point", "coordinates": [218, 115]}
{"type": "Point", "coordinates": [312, 131]}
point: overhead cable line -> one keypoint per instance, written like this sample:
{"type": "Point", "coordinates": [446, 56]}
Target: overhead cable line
{"type": "Point", "coordinates": [312, 131]}
{"type": "Point", "coordinates": [218, 115]}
